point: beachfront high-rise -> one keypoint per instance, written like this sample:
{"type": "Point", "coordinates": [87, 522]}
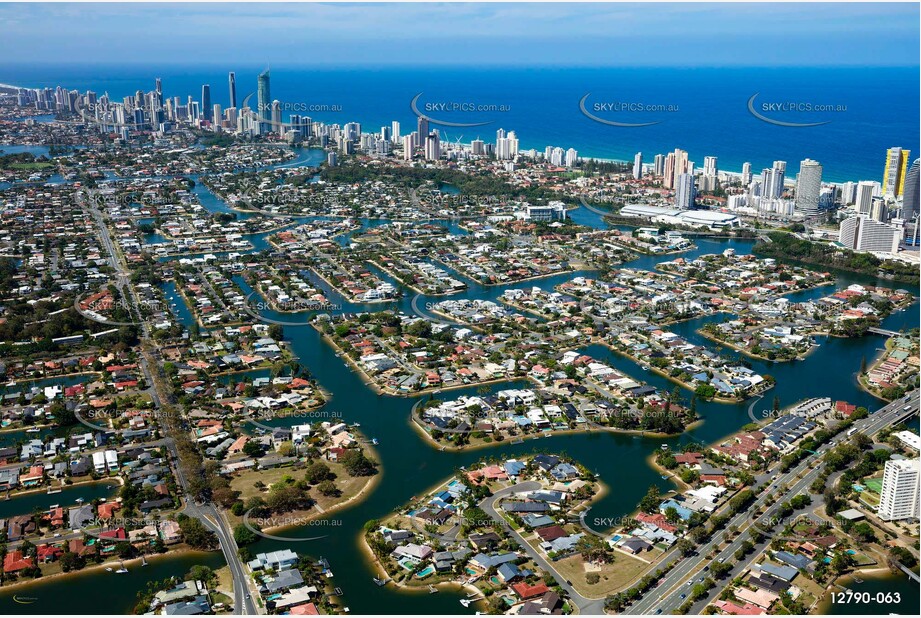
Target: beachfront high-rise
{"type": "Point", "coordinates": [808, 186]}
{"type": "Point", "coordinates": [263, 101]}
{"type": "Point", "coordinates": [894, 173]}
{"type": "Point", "coordinates": [866, 190]}
{"type": "Point", "coordinates": [232, 84]}
{"type": "Point", "coordinates": [422, 131]}
{"type": "Point", "coordinates": [432, 147]}
{"type": "Point", "coordinates": [638, 166]}
{"type": "Point", "coordinates": [912, 193]}
{"type": "Point", "coordinates": [676, 163]}
{"type": "Point", "coordinates": [746, 174]}
{"type": "Point", "coordinates": [658, 165]}
{"type": "Point", "coordinates": [206, 108]}
{"type": "Point", "coordinates": [898, 498]}
{"type": "Point", "coordinates": [772, 182]}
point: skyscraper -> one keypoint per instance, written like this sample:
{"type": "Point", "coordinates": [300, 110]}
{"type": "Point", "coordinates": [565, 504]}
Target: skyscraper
{"type": "Point", "coordinates": [710, 168]}
{"type": "Point", "coordinates": [659, 165]}
{"type": "Point", "coordinates": [432, 146]}
{"type": "Point", "coordinates": [808, 185]}
{"type": "Point", "coordinates": [912, 193]}
{"type": "Point", "coordinates": [638, 166]}
{"type": "Point", "coordinates": [685, 192]}
{"type": "Point", "coordinates": [898, 498]}
{"type": "Point", "coordinates": [866, 189]}
{"type": "Point", "coordinates": [263, 101]}
{"type": "Point", "coordinates": [676, 163]}
{"type": "Point", "coordinates": [408, 146]}
{"type": "Point", "coordinates": [746, 174]}
{"type": "Point", "coordinates": [206, 109]}
{"type": "Point", "coordinates": [232, 82]}
{"type": "Point", "coordinates": [422, 130]}
{"type": "Point", "coordinates": [772, 180]}
{"type": "Point", "coordinates": [894, 173]}
{"type": "Point", "coordinates": [276, 116]}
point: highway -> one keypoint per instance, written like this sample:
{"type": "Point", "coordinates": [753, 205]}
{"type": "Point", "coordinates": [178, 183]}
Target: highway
{"type": "Point", "coordinates": [667, 596]}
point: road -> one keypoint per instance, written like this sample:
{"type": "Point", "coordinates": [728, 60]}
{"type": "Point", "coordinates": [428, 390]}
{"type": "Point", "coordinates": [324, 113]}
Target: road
{"type": "Point", "coordinates": [667, 595]}
{"type": "Point", "coordinates": [585, 605]}
{"type": "Point", "coordinates": [206, 513]}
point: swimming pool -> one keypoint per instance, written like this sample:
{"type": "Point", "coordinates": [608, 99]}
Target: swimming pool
{"type": "Point", "coordinates": [425, 572]}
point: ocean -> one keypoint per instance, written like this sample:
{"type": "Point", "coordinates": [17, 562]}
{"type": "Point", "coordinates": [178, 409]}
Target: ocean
{"type": "Point", "coordinates": [702, 110]}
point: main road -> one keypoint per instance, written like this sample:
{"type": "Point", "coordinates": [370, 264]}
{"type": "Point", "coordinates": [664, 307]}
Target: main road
{"type": "Point", "coordinates": [207, 513]}
{"type": "Point", "coordinates": [676, 582]}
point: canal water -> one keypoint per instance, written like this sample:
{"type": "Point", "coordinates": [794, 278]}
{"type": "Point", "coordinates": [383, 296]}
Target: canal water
{"type": "Point", "coordinates": [67, 497]}
{"type": "Point", "coordinates": [409, 465]}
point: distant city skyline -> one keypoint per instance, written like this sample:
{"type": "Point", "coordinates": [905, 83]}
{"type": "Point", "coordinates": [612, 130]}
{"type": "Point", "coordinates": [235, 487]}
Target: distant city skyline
{"type": "Point", "coordinates": [520, 34]}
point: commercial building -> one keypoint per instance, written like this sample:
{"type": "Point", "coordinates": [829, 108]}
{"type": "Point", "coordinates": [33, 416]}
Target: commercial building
{"type": "Point", "coordinates": [554, 211]}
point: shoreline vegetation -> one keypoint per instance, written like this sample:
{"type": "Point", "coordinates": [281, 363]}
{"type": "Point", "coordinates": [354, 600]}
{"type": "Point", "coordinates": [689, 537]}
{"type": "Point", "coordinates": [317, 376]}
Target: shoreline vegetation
{"type": "Point", "coordinates": [787, 247]}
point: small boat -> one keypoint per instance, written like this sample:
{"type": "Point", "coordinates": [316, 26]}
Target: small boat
{"type": "Point", "coordinates": [109, 569]}
{"type": "Point", "coordinates": [337, 591]}
{"type": "Point", "coordinates": [356, 424]}
{"type": "Point", "coordinates": [33, 430]}
{"type": "Point", "coordinates": [374, 441]}
{"type": "Point", "coordinates": [379, 581]}
{"type": "Point", "coordinates": [53, 491]}
{"type": "Point", "coordinates": [433, 589]}
{"type": "Point", "coordinates": [465, 602]}
{"type": "Point", "coordinates": [665, 477]}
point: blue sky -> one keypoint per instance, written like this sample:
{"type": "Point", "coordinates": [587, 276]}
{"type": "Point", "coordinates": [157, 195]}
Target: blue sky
{"type": "Point", "coordinates": [565, 34]}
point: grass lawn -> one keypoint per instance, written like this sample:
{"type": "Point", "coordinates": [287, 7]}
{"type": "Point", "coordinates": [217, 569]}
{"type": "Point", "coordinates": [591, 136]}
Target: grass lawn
{"type": "Point", "coordinates": [245, 483]}
{"type": "Point", "coordinates": [38, 165]}
{"type": "Point", "coordinates": [224, 581]}
{"type": "Point", "coordinates": [615, 576]}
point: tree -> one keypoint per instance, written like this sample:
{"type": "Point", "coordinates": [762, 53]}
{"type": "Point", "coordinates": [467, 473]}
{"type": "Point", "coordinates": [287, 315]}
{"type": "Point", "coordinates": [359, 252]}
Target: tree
{"type": "Point", "coordinates": [594, 549]}
{"type": "Point", "coordinates": [243, 535]}
{"type": "Point", "coordinates": [195, 534]}
{"type": "Point", "coordinates": [328, 488]}
{"type": "Point", "coordinates": [72, 562]}
{"type": "Point", "coordinates": [317, 472]}
{"type": "Point", "coordinates": [685, 547]}
{"type": "Point", "coordinates": [650, 502]}
{"type": "Point", "coordinates": [252, 449]}
{"type": "Point", "coordinates": [200, 572]}
{"type": "Point", "coordinates": [356, 464]}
